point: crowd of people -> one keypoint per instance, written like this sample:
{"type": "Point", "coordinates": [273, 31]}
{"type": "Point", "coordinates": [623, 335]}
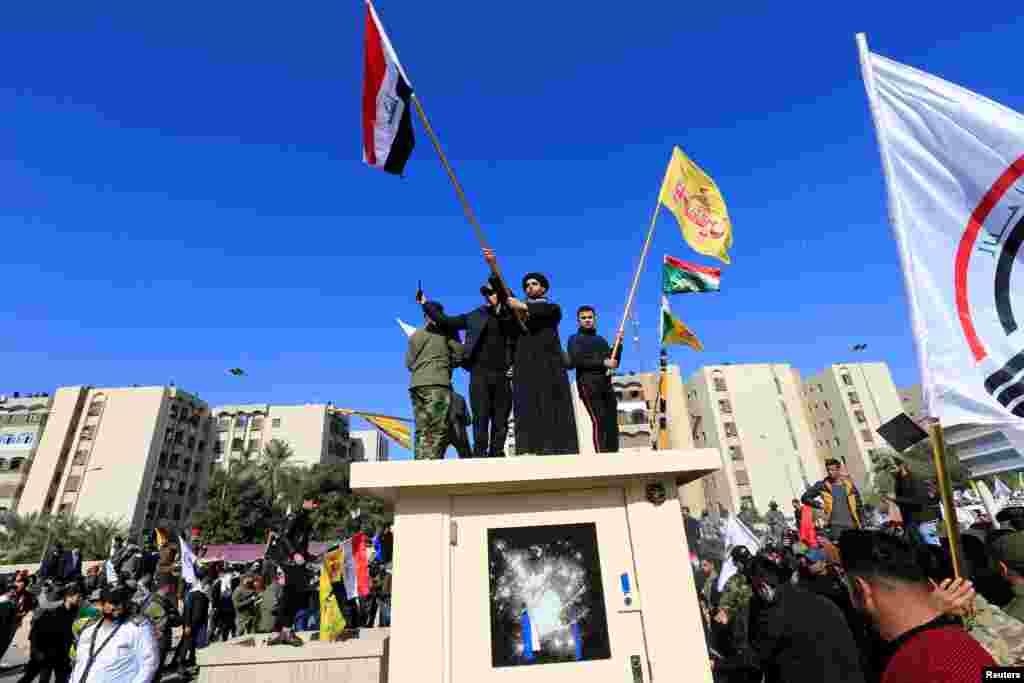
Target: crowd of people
{"type": "Point", "coordinates": [134, 618]}
{"type": "Point", "coordinates": [869, 598]}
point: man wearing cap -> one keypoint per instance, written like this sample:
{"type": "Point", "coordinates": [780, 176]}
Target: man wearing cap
{"type": "Point", "coordinates": [1007, 552]}
{"type": "Point", "coordinates": [840, 500]}
{"type": "Point", "coordinates": [490, 340]}
{"type": "Point", "coordinates": [117, 648]}
{"type": "Point", "coordinates": [542, 400]}
{"type": "Point", "coordinates": [51, 638]}
{"type": "Point", "coordinates": [918, 503]}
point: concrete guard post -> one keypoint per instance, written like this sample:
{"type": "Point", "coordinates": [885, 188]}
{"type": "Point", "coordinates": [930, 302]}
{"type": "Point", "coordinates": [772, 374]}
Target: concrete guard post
{"type": "Point", "coordinates": [456, 520]}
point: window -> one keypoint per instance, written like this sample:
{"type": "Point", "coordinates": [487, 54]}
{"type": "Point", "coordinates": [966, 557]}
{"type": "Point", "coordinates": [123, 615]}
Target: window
{"type": "Point", "coordinates": [832, 423]}
{"type": "Point", "coordinates": [33, 418]}
{"type": "Point", "coordinates": [191, 442]}
{"type": "Point", "coordinates": [847, 380]}
{"type": "Point", "coordinates": [174, 460]}
{"type": "Point", "coordinates": [867, 436]}
{"type": "Point", "coordinates": [821, 388]}
{"type": "Point", "coordinates": [735, 453]}
{"type": "Point", "coordinates": [241, 421]}
{"type": "Point", "coordinates": [186, 464]}
{"type": "Point", "coordinates": [276, 422]}
{"type": "Point", "coordinates": [64, 508]}
{"type": "Point", "coordinates": [72, 484]}
{"type": "Point", "coordinates": [742, 479]}
{"type": "Point", "coordinates": [163, 510]}
{"type": "Point", "coordinates": [192, 490]}
{"type": "Point", "coordinates": [177, 512]}
{"type": "Point", "coordinates": [720, 384]}
{"type": "Point", "coordinates": [725, 406]}
{"type": "Point", "coordinates": [181, 488]}
{"type": "Point", "coordinates": [837, 441]}
{"type": "Point", "coordinates": [195, 468]}
{"type": "Point", "coordinates": [730, 429]}
{"type": "Point", "coordinates": [236, 444]}
{"type": "Point", "coordinates": [825, 404]}
{"type": "Point", "coordinates": [854, 399]}
{"type": "Point", "coordinates": [80, 458]}
{"type": "Point", "coordinates": [859, 414]}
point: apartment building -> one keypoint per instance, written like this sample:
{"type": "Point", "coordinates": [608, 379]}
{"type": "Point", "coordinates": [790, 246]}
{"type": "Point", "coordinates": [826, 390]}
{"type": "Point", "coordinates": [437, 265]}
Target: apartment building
{"type": "Point", "coordinates": [847, 403]}
{"type": "Point", "coordinates": [369, 445]}
{"type": "Point", "coordinates": [315, 434]}
{"type": "Point", "coordinates": [140, 455]}
{"type": "Point", "coordinates": [754, 414]}
{"type": "Point", "coordinates": [22, 419]}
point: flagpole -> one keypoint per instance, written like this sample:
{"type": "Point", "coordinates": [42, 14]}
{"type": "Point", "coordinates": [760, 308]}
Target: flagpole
{"type": "Point", "coordinates": [466, 208]}
{"type": "Point", "coordinates": [946, 491]}
{"type": "Point", "coordinates": [636, 276]}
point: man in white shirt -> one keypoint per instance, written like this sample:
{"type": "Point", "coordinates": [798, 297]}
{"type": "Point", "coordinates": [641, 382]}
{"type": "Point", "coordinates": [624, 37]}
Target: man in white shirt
{"type": "Point", "coordinates": [118, 648]}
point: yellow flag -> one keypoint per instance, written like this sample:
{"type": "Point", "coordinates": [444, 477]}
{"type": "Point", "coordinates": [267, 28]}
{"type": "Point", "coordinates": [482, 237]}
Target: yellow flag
{"type": "Point", "coordinates": [399, 431]}
{"type": "Point", "coordinates": [332, 621]}
{"type": "Point", "coordinates": [691, 194]}
{"type": "Point", "coordinates": [163, 537]}
{"type": "Point", "coordinates": [673, 331]}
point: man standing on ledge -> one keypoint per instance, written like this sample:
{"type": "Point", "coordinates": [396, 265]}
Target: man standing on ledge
{"type": "Point", "coordinates": [840, 500]}
{"type": "Point", "coordinates": [591, 356]}
{"type": "Point", "coordinates": [490, 335]}
{"type": "Point", "coordinates": [430, 358]}
{"type": "Point", "coordinates": [545, 422]}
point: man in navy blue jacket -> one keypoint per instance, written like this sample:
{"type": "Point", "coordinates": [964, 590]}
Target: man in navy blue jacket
{"type": "Point", "coordinates": [490, 341]}
{"type": "Point", "coordinates": [591, 356]}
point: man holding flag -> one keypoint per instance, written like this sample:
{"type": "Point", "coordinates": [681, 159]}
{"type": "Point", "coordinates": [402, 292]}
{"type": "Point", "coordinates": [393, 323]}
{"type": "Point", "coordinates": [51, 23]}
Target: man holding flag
{"type": "Point", "coordinates": [591, 356]}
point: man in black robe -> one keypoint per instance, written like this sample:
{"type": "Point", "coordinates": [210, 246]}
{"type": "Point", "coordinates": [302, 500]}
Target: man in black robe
{"type": "Point", "coordinates": [545, 421]}
{"type": "Point", "coordinates": [490, 339]}
{"type": "Point", "coordinates": [591, 356]}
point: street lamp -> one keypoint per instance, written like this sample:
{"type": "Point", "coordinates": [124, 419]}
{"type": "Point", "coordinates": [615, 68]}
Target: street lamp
{"type": "Point", "coordinates": [49, 530]}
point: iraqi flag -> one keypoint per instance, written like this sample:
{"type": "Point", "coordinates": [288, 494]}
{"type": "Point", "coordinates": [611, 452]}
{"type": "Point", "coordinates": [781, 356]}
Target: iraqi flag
{"type": "Point", "coordinates": [387, 94]}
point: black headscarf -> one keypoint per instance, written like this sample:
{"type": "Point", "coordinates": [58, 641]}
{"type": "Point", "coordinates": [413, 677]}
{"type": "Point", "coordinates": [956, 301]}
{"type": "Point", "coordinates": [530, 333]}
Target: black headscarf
{"type": "Point", "coordinates": [539, 277]}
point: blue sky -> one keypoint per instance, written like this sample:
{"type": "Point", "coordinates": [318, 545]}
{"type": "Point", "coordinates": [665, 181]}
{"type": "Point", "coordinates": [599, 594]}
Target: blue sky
{"type": "Point", "coordinates": [183, 191]}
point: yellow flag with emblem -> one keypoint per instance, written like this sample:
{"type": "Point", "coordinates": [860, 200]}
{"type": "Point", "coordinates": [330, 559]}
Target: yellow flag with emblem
{"type": "Point", "coordinates": [332, 621]}
{"type": "Point", "coordinates": [692, 196]}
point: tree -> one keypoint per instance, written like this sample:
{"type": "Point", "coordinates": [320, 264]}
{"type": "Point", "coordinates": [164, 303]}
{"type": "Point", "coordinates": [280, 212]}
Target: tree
{"type": "Point", "coordinates": [273, 465]}
{"type": "Point", "coordinates": [23, 538]}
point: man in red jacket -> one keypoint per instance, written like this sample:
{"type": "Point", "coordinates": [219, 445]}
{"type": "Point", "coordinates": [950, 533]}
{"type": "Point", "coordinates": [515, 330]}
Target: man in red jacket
{"type": "Point", "coordinates": [889, 584]}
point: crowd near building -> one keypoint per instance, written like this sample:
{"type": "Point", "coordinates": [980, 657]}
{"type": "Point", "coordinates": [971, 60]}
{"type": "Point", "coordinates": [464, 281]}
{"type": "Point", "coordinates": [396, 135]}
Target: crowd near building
{"type": "Point", "coordinates": [145, 454]}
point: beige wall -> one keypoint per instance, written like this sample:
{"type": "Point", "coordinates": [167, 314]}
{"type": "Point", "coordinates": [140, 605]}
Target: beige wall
{"type": "Point", "coordinates": [757, 420]}
{"type": "Point", "coordinates": [305, 428]}
{"type": "Point", "coordinates": [53, 452]}
{"type": "Point", "coordinates": [105, 448]}
{"type": "Point", "coordinates": [369, 445]}
{"type": "Point", "coordinates": [848, 403]}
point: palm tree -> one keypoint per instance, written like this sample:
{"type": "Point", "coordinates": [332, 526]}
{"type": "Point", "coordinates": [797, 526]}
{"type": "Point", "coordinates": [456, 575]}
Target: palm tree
{"type": "Point", "coordinates": [23, 538]}
{"type": "Point", "coordinates": [273, 466]}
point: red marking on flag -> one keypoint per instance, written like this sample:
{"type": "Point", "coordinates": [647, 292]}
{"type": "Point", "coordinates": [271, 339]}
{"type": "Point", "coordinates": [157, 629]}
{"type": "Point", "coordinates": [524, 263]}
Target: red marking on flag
{"type": "Point", "coordinates": [375, 70]}
{"type": "Point", "coordinates": [963, 252]}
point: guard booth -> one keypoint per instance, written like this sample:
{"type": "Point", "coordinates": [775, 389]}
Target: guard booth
{"type": "Point", "coordinates": [542, 569]}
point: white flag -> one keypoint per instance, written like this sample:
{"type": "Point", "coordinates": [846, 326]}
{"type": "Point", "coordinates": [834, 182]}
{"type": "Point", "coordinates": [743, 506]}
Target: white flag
{"type": "Point", "coordinates": [406, 327]}
{"type": "Point", "coordinates": [188, 563]}
{"type": "Point", "coordinates": [1001, 489]}
{"type": "Point", "coordinates": [953, 162]}
{"type": "Point", "coordinates": [736, 533]}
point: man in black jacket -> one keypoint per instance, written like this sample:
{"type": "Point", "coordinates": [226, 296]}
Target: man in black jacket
{"type": "Point", "coordinates": [490, 337]}
{"type": "Point", "coordinates": [51, 638]}
{"type": "Point", "coordinates": [591, 356]}
{"type": "Point", "coordinates": [918, 501]}
{"type": "Point", "coordinates": [796, 635]}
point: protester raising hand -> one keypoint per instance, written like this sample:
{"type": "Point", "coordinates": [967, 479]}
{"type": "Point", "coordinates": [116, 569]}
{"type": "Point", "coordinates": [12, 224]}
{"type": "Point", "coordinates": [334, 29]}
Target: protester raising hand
{"type": "Point", "coordinates": [954, 596]}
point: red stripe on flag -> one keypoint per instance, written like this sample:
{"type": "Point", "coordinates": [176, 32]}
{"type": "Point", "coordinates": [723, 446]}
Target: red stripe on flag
{"type": "Point", "coordinates": [361, 564]}
{"type": "Point", "coordinates": [693, 267]}
{"type": "Point", "coordinates": [963, 252]}
{"type": "Point", "coordinates": [375, 68]}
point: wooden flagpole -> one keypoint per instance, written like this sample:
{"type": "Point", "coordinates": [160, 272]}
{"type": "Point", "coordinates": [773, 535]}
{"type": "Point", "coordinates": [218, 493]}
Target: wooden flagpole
{"type": "Point", "coordinates": [946, 492]}
{"type": "Point", "coordinates": [636, 276]}
{"type": "Point", "coordinates": [466, 208]}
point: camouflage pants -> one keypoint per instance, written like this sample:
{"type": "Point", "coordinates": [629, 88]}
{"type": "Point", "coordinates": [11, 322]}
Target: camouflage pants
{"type": "Point", "coordinates": [430, 412]}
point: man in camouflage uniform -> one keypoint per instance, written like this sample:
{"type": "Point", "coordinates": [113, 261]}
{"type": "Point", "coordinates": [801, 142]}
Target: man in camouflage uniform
{"type": "Point", "coordinates": [995, 630]}
{"type": "Point", "coordinates": [430, 358]}
{"type": "Point", "coordinates": [776, 523]}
